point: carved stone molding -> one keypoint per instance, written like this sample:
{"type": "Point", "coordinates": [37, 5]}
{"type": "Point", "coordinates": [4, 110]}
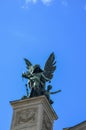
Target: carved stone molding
{"type": "Point", "coordinates": [26, 116]}
{"type": "Point", "coordinates": [46, 124]}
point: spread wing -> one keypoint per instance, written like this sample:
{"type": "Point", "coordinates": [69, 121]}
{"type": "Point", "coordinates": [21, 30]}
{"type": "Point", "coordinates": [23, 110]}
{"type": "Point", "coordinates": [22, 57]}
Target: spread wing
{"type": "Point", "coordinates": [28, 63]}
{"type": "Point", "coordinates": [49, 67]}
{"type": "Point", "coordinates": [28, 66]}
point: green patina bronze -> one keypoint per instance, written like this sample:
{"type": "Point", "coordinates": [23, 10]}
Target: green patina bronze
{"type": "Point", "coordinates": [37, 78]}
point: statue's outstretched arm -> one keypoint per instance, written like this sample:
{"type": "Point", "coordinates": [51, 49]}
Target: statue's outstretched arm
{"type": "Point", "coordinates": [55, 92]}
{"type": "Point", "coordinates": [25, 75]}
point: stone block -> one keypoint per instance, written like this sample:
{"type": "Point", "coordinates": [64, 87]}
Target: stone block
{"type": "Point", "coordinates": [33, 114]}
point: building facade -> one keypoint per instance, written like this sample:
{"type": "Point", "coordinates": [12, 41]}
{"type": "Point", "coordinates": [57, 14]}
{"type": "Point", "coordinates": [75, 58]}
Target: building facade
{"type": "Point", "coordinates": [80, 126]}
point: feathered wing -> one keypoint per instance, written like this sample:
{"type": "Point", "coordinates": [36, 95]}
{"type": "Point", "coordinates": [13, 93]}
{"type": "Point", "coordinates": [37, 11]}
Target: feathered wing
{"type": "Point", "coordinates": [49, 67]}
{"type": "Point", "coordinates": [28, 63]}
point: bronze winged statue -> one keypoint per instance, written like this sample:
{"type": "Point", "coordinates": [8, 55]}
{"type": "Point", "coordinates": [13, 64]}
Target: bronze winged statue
{"type": "Point", "coordinates": [37, 77]}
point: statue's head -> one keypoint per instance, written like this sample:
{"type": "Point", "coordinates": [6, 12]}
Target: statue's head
{"type": "Point", "coordinates": [49, 87]}
{"type": "Point", "coordinates": [37, 69]}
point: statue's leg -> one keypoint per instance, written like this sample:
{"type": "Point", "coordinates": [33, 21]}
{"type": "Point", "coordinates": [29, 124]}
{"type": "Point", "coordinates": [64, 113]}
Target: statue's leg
{"type": "Point", "coordinates": [32, 93]}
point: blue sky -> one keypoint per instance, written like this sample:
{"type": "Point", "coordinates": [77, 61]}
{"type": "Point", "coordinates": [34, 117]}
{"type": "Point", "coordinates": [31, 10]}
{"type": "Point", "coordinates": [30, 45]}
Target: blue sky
{"type": "Point", "coordinates": [33, 29]}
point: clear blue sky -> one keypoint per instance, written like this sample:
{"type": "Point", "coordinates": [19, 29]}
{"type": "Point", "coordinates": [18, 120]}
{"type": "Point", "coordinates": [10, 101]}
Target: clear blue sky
{"type": "Point", "coordinates": [33, 29]}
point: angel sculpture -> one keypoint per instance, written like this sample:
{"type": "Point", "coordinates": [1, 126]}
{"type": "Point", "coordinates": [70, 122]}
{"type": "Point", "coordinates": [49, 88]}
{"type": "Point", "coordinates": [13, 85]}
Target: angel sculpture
{"type": "Point", "coordinates": [37, 77]}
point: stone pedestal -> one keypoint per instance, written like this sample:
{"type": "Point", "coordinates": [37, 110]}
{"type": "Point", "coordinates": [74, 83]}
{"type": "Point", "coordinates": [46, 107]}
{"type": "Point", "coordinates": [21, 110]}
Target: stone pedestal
{"type": "Point", "coordinates": [33, 114]}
